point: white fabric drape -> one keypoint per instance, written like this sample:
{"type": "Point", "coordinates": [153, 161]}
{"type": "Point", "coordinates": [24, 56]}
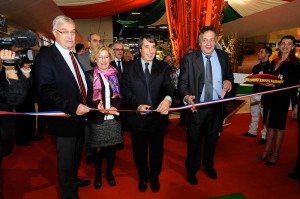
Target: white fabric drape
{"type": "Point", "coordinates": [249, 7]}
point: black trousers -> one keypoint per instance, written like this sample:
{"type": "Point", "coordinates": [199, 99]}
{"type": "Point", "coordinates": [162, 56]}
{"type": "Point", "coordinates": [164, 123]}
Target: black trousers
{"type": "Point", "coordinates": [148, 141]}
{"type": "Point", "coordinates": [202, 139]}
{"type": "Point", "coordinates": [68, 159]}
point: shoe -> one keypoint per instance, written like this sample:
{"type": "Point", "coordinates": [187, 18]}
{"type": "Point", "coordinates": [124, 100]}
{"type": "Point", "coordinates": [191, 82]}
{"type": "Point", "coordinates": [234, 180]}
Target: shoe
{"type": "Point", "coordinates": [293, 176]}
{"type": "Point", "coordinates": [262, 141]}
{"type": "Point", "coordinates": [155, 186]}
{"type": "Point", "coordinates": [264, 155]}
{"type": "Point", "coordinates": [273, 160]}
{"type": "Point", "coordinates": [90, 159]}
{"type": "Point", "coordinates": [192, 179]}
{"type": "Point", "coordinates": [110, 179]}
{"type": "Point", "coordinates": [83, 183]}
{"type": "Point", "coordinates": [248, 134]}
{"type": "Point", "coordinates": [212, 173]}
{"type": "Point", "coordinates": [142, 185]}
{"type": "Point", "coordinates": [98, 181]}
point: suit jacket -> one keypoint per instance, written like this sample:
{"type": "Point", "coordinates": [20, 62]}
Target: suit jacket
{"type": "Point", "coordinates": [134, 90]}
{"type": "Point", "coordinates": [192, 74]}
{"type": "Point", "coordinates": [58, 90]}
{"type": "Point", "coordinates": [84, 60]}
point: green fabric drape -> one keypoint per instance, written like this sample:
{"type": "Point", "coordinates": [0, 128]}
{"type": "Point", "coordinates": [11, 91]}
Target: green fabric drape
{"type": "Point", "coordinates": [229, 14]}
{"type": "Point", "coordinates": [158, 11]}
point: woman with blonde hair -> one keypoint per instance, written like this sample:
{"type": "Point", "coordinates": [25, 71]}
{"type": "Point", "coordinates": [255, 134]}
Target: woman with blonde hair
{"type": "Point", "coordinates": [105, 125]}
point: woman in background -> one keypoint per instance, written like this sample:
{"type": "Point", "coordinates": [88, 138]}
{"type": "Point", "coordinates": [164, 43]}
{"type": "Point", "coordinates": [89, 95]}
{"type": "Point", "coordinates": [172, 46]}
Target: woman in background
{"type": "Point", "coordinates": [105, 126]}
{"type": "Point", "coordinates": [286, 67]}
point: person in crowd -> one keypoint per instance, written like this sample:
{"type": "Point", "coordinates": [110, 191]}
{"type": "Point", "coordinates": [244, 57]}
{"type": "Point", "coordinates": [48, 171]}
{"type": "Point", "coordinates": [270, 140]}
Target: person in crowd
{"type": "Point", "coordinates": [25, 130]}
{"type": "Point", "coordinates": [94, 41]}
{"type": "Point", "coordinates": [286, 67]}
{"type": "Point", "coordinates": [128, 56]}
{"type": "Point", "coordinates": [105, 126]}
{"type": "Point", "coordinates": [264, 67]}
{"type": "Point", "coordinates": [62, 86]}
{"type": "Point", "coordinates": [174, 78]}
{"type": "Point", "coordinates": [296, 114]}
{"type": "Point", "coordinates": [205, 75]}
{"type": "Point", "coordinates": [80, 49]}
{"type": "Point", "coordinates": [147, 88]}
{"type": "Point", "coordinates": [118, 63]}
{"type": "Point", "coordinates": [14, 85]}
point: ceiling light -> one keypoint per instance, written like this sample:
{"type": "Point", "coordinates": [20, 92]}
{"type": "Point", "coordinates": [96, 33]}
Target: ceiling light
{"type": "Point", "coordinates": [135, 13]}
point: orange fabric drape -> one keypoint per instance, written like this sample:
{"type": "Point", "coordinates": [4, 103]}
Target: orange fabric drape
{"type": "Point", "coordinates": [186, 18]}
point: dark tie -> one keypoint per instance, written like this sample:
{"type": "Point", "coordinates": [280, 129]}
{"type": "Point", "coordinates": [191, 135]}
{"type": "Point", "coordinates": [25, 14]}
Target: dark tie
{"type": "Point", "coordinates": [147, 77]}
{"type": "Point", "coordinates": [208, 95]}
{"type": "Point", "coordinates": [119, 66]}
{"type": "Point", "coordinates": [80, 82]}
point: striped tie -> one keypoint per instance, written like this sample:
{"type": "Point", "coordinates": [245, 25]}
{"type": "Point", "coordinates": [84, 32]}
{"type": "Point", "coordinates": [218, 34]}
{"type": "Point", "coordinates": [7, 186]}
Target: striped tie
{"type": "Point", "coordinates": [80, 82]}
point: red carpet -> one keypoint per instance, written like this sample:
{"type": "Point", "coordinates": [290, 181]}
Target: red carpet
{"type": "Point", "coordinates": [30, 172]}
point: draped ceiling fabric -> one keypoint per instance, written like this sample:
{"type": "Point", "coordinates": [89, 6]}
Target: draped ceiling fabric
{"type": "Point", "coordinates": [154, 15]}
{"type": "Point", "coordinates": [82, 9]}
{"type": "Point", "coordinates": [186, 18]}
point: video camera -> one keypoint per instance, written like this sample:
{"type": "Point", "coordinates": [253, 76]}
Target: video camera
{"type": "Point", "coordinates": [20, 39]}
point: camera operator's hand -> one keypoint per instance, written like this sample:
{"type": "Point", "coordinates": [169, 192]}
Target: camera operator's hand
{"type": "Point", "coordinates": [10, 71]}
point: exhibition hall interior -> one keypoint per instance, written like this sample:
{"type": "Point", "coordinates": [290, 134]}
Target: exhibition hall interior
{"type": "Point", "coordinates": [244, 28]}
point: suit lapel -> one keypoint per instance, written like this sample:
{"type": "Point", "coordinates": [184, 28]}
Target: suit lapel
{"type": "Point", "coordinates": [222, 63]}
{"type": "Point", "coordinates": [200, 69]}
{"type": "Point", "coordinates": [140, 72]}
{"type": "Point", "coordinates": [62, 64]}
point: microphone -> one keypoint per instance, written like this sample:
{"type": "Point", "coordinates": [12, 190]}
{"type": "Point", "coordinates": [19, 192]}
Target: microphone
{"type": "Point", "coordinates": [20, 38]}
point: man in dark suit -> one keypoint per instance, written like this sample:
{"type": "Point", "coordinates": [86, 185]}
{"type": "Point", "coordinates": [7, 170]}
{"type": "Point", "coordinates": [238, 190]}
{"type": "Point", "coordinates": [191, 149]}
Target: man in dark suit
{"type": "Point", "coordinates": [94, 41]}
{"type": "Point", "coordinates": [146, 85]}
{"type": "Point", "coordinates": [205, 75]}
{"type": "Point", "coordinates": [118, 48]}
{"type": "Point", "coordinates": [62, 86]}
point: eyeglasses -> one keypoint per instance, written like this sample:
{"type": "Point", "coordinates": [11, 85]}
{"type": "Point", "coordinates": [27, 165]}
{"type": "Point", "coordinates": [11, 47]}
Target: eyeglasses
{"type": "Point", "coordinates": [118, 49]}
{"type": "Point", "coordinates": [65, 33]}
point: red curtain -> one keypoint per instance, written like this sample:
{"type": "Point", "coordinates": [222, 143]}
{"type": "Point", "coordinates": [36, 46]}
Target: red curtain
{"type": "Point", "coordinates": [103, 9]}
{"type": "Point", "coordinates": [186, 18]}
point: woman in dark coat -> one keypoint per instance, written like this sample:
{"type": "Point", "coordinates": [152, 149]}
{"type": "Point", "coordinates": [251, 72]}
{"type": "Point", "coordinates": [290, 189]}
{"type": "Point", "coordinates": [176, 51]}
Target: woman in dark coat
{"type": "Point", "coordinates": [105, 126]}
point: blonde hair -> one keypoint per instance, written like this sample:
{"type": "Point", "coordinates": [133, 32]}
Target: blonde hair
{"type": "Point", "coordinates": [95, 53]}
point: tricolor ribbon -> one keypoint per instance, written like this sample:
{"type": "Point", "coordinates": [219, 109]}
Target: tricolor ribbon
{"type": "Point", "coordinates": [62, 114]}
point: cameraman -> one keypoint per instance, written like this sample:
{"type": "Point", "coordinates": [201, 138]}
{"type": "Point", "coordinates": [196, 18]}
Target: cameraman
{"type": "Point", "coordinates": [13, 89]}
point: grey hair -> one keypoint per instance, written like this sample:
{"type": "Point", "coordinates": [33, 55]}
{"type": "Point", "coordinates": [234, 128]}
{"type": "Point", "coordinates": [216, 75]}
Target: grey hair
{"type": "Point", "coordinates": [61, 19]}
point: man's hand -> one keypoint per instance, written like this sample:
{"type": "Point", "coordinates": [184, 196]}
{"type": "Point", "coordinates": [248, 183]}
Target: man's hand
{"type": "Point", "coordinates": [164, 107]}
{"type": "Point", "coordinates": [144, 109]}
{"type": "Point", "coordinates": [82, 109]}
{"type": "Point", "coordinates": [227, 85]}
{"type": "Point", "coordinates": [189, 99]}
